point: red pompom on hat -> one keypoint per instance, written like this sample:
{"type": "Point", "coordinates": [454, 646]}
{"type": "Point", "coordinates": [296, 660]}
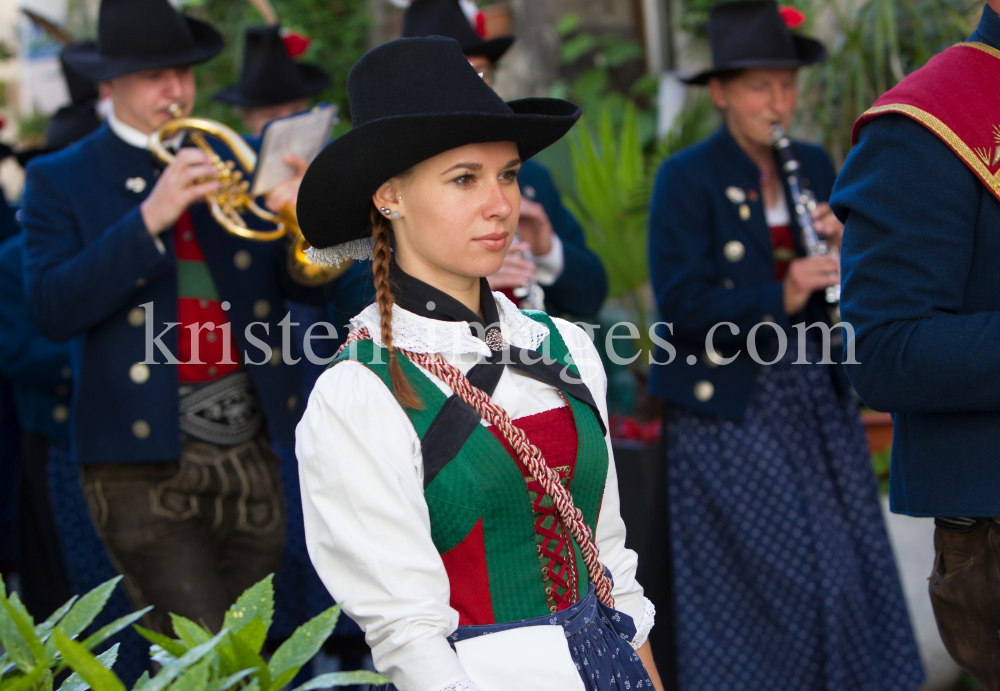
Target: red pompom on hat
{"type": "Point", "coordinates": [481, 24]}
{"type": "Point", "coordinates": [295, 44]}
{"type": "Point", "coordinates": [793, 17]}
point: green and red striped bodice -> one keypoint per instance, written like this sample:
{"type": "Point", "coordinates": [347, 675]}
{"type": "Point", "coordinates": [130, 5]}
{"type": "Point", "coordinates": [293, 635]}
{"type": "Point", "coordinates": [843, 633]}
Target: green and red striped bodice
{"type": "Point", "coordinates": [506, 551]}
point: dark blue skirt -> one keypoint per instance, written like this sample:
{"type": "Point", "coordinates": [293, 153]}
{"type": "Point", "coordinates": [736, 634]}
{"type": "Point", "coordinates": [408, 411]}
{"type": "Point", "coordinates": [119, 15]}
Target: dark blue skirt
{"type": "Point", "coordinates": [599, 643]}
{"type": "Point", "coordinates": [783, 573]}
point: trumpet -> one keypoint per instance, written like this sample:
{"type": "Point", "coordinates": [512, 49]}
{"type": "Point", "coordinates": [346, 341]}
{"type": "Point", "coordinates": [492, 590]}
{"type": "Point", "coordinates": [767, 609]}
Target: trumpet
{"type": "Point", "coordinates": [232, 199]}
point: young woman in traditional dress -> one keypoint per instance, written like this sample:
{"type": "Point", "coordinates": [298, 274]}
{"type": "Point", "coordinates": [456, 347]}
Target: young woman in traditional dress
{"type": "Point", "coordinates": [456, 473]}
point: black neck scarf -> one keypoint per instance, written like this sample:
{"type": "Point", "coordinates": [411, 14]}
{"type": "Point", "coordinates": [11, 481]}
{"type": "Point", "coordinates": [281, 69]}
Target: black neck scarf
{"type": "Point", "coordinates": [425, 300]}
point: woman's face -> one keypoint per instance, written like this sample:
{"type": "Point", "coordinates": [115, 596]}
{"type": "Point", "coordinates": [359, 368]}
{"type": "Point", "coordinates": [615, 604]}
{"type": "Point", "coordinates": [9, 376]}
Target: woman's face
{"type": "Point", "coordinates": [457, 212]}
{"type": "Point", "coordinates": [754, 100]}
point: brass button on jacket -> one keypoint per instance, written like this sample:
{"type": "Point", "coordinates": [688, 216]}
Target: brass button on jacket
{"type": "Point", "coordinates": [60, 414]}
{"type": "Point", "coordinates": [136, 316]}
{"type": "Point", "coordinates": [140, 428]}
{"type": "Point", "coordinates": [242, 260]}
{"type": "Point", "coordinates": [704, 390]}
{"type": "Point", "coordinates": [139, 373]}
{"type": "Point", "coordinates": [734, 250]}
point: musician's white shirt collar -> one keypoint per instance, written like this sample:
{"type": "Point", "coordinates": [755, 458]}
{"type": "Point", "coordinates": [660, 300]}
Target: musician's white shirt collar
{"type": "Point", "coordinates": [127, 133]}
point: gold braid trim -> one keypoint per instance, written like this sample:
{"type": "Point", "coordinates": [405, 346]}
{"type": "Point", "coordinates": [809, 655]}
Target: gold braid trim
{"type": "Point", "coordinates": [946, 134]}
{"type": "Point", "coordinates": [990, 50]}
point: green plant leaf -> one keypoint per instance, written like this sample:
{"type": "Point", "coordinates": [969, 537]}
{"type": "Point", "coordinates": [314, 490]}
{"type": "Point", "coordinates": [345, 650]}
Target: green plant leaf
{"type": "Point", "coordinates": [141, 682]}
{"type": "Point", "coordinates": [324, 681]}
{"type": "Point", "coordinates": [302, 645]}
{"type": "Point", "coordinates": [106, 632]}
{"type": "Point", "coordinates": [171, 646]}
{"type": "Point", "coordinates": [44, 630]}
{"type": "Point", "coordinates": [86, 665]}
{"type": "Point", "coordinates": [576, 47]}
{"type": "Point", "coordinates": [249, 659]}
{"type": "Point", "coordinates": [76, 683]}
{"type": "Point", "coordinates": [17, 633]}
{"type": "Point", "coordinates": [568, 24]}
{"type": "Point", "coordinates": [83, 612]}
{"type": "Point", "coordinates": [25, 682]}
{"type": "Point", "coordinates": [194, 679]}
{"type": "Point", "coordinates": [174, 669]}
{"type": "Point", "coordinates": [257, 602]}
{"type": "Point", "coordinates": [190, 633]}
{"type": "Point", "coordinates": [228, 682]}
{"type": "Point", "coordinates": [253, 634]}
{"type": "Point", "coordinates": [618, 51]}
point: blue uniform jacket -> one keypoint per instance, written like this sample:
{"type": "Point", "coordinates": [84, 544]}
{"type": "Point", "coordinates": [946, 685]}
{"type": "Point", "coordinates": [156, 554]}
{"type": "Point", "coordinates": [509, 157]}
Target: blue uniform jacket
{"type": "Point", "coordinates": [581, 288]}
{"type": "Point", "coordinates": [38, 368]}
{"type": "Point", "coordinates": [922, 289]}
{"type": "Point", "coordinates": [708, 265]}
{"type": "Point", "coordinates": [90, 262]}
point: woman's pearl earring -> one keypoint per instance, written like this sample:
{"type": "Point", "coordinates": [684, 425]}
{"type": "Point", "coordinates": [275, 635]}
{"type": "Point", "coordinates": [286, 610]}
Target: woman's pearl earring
{"type": "Point", "coordinates": [385, 211]}
{"type": "Point", "coordinates": [395, 214]}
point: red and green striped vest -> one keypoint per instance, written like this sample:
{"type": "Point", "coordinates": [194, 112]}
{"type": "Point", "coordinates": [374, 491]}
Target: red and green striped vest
{"type": "Point", "coordinates": [507, 554]}
{"type": "Point", "coordinates": [198, 304]}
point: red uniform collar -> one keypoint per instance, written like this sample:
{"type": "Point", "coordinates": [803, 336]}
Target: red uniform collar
{"type": "Point", "coordinates": [947, 97]}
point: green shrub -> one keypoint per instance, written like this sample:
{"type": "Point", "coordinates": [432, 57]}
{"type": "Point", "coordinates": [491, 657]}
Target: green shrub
{"type": "Point", "coordinates": [196, 660]}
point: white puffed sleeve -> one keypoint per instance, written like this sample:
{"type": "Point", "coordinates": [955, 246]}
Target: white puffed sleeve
{"type": "Point", "coordinates": [610, 536]}
{"type": "Point", "coordinates": [368, 530]}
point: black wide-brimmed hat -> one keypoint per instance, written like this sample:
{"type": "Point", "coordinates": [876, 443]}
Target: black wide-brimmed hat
{"type": "Point", "coordinates": [73, 121]}
{"type": "Point", "coordinates": [412, 99]}
{"type": "Point", "coordinates": [137, 35]}
{"type": "Point", "coordinates": [269, 75]}
{"type": "Point", "coordinates": [446, 18]}
{"type": "Point", "coordinates": [752, 34]}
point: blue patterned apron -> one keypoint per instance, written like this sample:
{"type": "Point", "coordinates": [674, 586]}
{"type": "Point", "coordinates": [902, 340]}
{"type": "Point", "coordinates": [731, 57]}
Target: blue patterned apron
{"type": "Point", "coordinates": [598, 638]}
{"type": "Point", "coordinates": [783, 573]}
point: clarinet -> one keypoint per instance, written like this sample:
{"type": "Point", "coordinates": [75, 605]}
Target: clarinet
{"type": "Point", "coordinates": [804, 201]}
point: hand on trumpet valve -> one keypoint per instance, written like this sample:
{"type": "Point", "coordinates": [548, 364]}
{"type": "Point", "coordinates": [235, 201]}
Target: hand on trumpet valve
{"type": "Point", "coordinates": [286, 193]}
{"type": "Point", "coordinates": [189, 179]}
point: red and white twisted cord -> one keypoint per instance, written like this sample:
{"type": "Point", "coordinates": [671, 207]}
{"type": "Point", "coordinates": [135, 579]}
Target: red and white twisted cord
{"type": "Point", "coordinates": [529, 454]}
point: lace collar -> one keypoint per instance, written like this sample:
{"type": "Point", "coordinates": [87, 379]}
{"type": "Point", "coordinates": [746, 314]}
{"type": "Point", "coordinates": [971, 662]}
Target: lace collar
{"type": "Point", "coordinates": [419, 334]}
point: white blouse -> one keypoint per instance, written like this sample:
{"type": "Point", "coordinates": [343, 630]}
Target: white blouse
{"type": "Point", "coordinates": [367, 525]}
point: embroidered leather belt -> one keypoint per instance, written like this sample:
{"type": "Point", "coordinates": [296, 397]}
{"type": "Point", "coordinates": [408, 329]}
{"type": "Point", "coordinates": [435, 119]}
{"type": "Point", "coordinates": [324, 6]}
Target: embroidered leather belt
{"type": "Point", "coordinates": [225, 412]}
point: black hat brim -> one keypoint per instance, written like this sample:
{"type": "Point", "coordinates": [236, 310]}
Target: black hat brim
{"type": "Point", "coordinates": [314, 80]}
{"type": "Point", "coordinates": [810, 52]}
{"type": "Point", "coordinates": [493, 49]}
{"type": "Point", "coordinates": [335, 195]}
{"type": "Point", "coordinates": [87, 60]}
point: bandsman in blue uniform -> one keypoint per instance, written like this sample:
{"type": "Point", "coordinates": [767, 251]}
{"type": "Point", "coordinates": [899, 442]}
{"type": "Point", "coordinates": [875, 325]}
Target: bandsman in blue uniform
{"type": "Point", "coordinates": [783, 576]}
{"type": "Point", "coordinates": [272, 84]}
{"type": "Point", "coordinates": [570, 274]}
{"type": "Point", "coordinates": [920, 198]}
{"type": "Point", "coordinates": [182, 378]}
{"type": "Point", "coordinates": [40, 375]}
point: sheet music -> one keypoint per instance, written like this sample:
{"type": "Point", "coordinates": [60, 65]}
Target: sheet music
{"type": "Point", "coordinates": [304, 135]}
